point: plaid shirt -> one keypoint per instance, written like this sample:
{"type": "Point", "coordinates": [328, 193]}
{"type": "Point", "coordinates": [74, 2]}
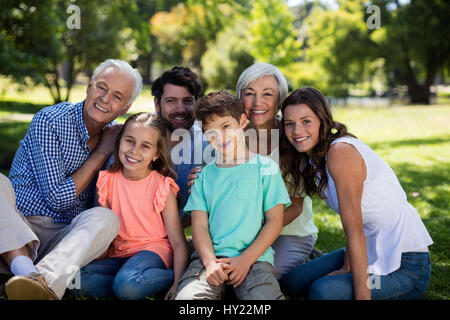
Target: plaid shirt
{"type": "Point", "coordinates": [54, 147]}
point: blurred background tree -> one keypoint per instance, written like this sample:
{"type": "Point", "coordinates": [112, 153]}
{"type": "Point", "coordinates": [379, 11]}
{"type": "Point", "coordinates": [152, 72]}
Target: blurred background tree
{"type": "Point", "coordinates": [326, 44]}
{"type": "Point", "coordinates": [415, 44]}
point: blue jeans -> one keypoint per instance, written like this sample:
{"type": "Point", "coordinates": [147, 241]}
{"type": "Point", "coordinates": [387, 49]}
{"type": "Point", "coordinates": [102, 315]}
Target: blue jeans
{"type": "Point", "coordinates": [131, 278]}
{"type": "Point", "coordinates": [406, 283]}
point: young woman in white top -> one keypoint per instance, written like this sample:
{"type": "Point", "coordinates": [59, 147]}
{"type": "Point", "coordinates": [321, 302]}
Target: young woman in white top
{"type": "Point", "coordinates": [386, 254]}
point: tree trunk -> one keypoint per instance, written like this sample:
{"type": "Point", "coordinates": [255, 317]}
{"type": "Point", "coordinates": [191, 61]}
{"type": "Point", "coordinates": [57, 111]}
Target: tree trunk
{"type": "Point", "coordinates": [419, 93]}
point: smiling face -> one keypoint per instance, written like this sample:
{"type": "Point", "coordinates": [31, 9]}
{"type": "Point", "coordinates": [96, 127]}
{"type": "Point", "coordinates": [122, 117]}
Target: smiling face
{"type": "Point", "coordinates": [301, 127]}
{"type": "Point", "coordinates": [261, 99]}
{"type": "Point", "coordinates": [137, 150]}
{"type": "Point", "coordinates": [107, 97]}
{"type": "Point", "coordinates": [176, 107]}
{"type": "Point", "coordinates": [225, 135]}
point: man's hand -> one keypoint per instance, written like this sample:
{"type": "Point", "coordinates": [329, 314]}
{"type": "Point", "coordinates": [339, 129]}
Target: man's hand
{"type": "Point", "coordinates": [108, 140]}
{"type": "Point", "coordinates": [237, 269]}
{"type": "Point", "coordinates": [192, 176]}
{"type": "Point", "coordinates": [216, 273]}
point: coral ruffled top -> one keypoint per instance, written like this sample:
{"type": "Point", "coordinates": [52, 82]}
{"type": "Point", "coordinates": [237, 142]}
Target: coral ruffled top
{"type": "Point", "coordinates": [139, 206]}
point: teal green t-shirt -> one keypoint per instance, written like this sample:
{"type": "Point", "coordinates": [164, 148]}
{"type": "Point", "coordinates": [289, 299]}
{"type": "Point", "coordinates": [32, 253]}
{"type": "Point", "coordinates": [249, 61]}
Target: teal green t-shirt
{"type": "Point", "coordinates": [235, 199]}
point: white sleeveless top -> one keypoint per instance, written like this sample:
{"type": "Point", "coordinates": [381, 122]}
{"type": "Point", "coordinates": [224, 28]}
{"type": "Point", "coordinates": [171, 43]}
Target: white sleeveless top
{"type": "Point", "coordinates": [303, 225]}
{"type": "Point", "coordinates": [391, 225]}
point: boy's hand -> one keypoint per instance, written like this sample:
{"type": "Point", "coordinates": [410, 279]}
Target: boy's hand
{"type": "Point", "coordinates": [237, 269]}
{"type": "Point", "coordinates": [172, 292]}
{"type": "Point", "coordinates": [216, 273]}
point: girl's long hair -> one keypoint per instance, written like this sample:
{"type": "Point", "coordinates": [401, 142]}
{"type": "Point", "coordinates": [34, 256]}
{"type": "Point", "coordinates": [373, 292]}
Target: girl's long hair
{"type": "Point", "coordinates": [294, 165]}
{"type": "Point", "coordinates": [163, 163]}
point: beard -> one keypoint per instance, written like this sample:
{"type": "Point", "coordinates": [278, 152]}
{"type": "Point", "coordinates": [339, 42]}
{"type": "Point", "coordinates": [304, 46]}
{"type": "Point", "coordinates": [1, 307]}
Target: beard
{"type": "Point", "coordinates": [171, 125]}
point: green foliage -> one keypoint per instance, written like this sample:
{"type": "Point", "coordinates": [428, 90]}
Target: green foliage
{"type": "Point", "coordinates": [339, 44]}
{"type": "Point", "coordinates": [414, 43]}
{"type": "Point", "coordinates": [227, 57]}
{"type": "Point", "coordinates": [38, 43]}
{"type": "Point", "coordinates": [273, 37]}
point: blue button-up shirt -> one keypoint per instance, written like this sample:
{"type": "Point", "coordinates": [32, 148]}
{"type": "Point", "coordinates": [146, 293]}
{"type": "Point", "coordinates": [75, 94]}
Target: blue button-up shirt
{"type": "Point", "coordinates": [193, 151]}
{"type": "Point", "coordinates": [54, 147]}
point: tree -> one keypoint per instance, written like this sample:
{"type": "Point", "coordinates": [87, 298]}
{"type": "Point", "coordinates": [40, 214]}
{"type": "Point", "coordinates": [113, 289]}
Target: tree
{"type": "Point", "coordinates": [28, 39]}
{"type": "Point", "coordinates": [414, 43]}
{"type": "Point", "coordinates": [228, 56]}
{"type": "Point", "coordinates": [138, 14]}
{"type": "Point", "coordinates": [273, 37]}
{"type": "Point", "coordinates": [339, 43]}
{"type": "Point", "coordinates": [185, 32]}
{"type": "Point", "coordinates": [38, 41]}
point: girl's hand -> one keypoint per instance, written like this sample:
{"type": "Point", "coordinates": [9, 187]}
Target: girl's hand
{"type": "Point", "coordinates": [172, 292]}
{"type": "Point", "coordinates": [216, 273]}
{"type": "Point", "coordinates": [237, 268]}
{"type": "Point", "coordinates": [192, 176]}
{"type": "Point", "coordinates": [105, 254]}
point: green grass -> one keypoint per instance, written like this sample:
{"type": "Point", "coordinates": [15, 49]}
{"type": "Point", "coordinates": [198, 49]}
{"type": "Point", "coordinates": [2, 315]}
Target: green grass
{"type": "Point", "coordinates": [413, 140]}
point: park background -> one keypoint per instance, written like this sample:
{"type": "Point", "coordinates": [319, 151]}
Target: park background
{"type": "Point", "coordinates": [384, 66]}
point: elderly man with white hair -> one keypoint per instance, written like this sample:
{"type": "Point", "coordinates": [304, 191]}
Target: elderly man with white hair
{"type": "Point", "coordinates": [49, 227]}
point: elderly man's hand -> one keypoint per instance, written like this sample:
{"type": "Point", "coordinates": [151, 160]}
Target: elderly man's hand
{"type": "Point", "coordinates": [108, 139]}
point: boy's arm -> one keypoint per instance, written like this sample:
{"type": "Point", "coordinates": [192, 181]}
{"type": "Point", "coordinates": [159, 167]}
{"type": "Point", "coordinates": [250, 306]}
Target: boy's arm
{"type": "Point", "coordinates": [201, 238]}
{"type": "Point", "coordinates": [240, 265]}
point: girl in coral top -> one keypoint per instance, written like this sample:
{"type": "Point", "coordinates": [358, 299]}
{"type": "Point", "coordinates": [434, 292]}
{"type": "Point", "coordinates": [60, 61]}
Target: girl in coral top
{"type": "Point", "coordinates": [149, 254]}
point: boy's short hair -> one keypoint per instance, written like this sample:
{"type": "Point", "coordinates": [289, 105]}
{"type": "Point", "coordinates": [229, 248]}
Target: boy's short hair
{"type": "Point", "coordinates": [219, 104]}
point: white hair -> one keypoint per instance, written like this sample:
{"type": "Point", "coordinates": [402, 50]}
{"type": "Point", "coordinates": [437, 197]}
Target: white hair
{"type": "Point", "coordinates": [123, 66]}
{"type": "Point", "coordinates": [259, 70]}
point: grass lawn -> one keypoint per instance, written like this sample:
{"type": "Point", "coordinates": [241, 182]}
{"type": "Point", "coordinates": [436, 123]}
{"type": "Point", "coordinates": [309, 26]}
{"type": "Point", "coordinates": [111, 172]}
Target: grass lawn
{"type": "Point", "coordinates": [413, 140]}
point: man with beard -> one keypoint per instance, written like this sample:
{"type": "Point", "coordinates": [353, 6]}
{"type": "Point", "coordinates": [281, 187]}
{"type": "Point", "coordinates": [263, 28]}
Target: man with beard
{"type": "Point", "coordinates": [176, 92]}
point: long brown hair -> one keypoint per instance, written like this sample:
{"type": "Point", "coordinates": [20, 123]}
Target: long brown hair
{"type": "Point", "coordinates": [163, 163]}
{"type": "Point", "coordinates": [295, 166]}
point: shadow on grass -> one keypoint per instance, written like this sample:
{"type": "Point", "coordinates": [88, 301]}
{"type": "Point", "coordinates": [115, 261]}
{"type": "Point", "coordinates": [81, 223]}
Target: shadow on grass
{"type": "Point", "coordinates": [408, 143]}
{"type": "Point", "coordinates": [20, 107]}
{"type": "Point", "coordinates": [11, 133]}
{"type": "Point", "coordinates": [433, 186]}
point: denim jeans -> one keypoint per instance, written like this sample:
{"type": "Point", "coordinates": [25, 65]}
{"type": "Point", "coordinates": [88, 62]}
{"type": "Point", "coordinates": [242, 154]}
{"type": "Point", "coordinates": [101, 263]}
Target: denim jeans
{"type": "Point", "coordinates": [131, 278]}
{"type": "Point", "coordinates": [406, 283]}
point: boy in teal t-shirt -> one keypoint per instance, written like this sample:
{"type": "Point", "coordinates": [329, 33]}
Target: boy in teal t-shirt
{"type": "Point", "coordinates": [236, 206]}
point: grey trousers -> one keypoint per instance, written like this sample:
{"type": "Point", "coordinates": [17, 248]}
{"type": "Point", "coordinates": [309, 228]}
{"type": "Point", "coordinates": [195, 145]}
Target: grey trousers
{"type": "Point", "coordinates": [260, 284]}
{"type": "Point", "coordinates": [291, 251]}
